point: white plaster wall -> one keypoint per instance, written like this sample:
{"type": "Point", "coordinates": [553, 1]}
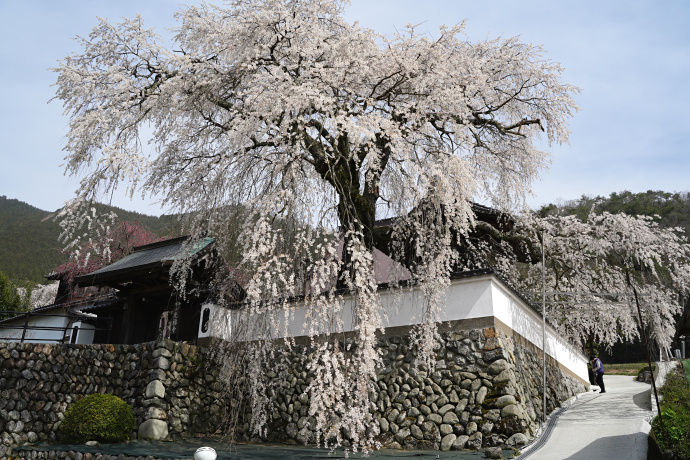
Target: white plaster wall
{"type": "Point", "coordinates": [467, 298]}
{"type": "Point", "coordinates": [220, 322]}
{"type": "Point", "coordinates": [85, 333]}
{"type": "Point", "coordinates": [513, 312]}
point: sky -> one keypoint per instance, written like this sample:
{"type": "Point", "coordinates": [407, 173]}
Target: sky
{"type": "Point", "coordinates": [631, 60]}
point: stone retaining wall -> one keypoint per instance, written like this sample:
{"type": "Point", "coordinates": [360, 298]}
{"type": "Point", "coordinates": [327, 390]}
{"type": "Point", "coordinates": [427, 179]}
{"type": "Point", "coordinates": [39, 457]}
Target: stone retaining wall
{"type": "Point", "coordinates": [160, 380]}
{"type": "Point", "coordinates": [484, 391]}
{"type": "Point", "coordinates": [70, 455]}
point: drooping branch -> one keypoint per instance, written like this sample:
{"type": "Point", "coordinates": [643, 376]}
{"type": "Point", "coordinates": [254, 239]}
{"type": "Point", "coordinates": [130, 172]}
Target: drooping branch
{"type": "Point", "coordinates": [286, 109]}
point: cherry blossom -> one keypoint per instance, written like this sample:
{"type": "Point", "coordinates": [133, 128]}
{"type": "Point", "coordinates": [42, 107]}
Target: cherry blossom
{"type": "Point", "coordinates": [319, 125]}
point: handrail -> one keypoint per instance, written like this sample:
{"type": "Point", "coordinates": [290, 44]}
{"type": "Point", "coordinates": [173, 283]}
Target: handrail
{"type": "Point", "coordinates": [19, 314]}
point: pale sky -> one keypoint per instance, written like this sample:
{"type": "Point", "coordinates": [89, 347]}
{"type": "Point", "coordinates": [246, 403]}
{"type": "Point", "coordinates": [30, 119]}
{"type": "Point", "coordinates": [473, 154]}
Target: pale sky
{"type": "Point", "coordinates": [630, 58]}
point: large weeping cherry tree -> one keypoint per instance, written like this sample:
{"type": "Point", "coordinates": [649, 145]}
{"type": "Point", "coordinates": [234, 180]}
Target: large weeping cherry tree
{"type": "Point", "coordinates": [594, 267]}
{"type": "Point", "coordinates": [308, 121]}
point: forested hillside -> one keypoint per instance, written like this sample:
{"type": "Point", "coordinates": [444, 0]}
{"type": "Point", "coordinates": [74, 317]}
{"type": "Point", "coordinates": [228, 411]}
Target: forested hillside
{"type": "Point", "coordinates": [673, 209]}
{"type": "Point", "coordinates": [29, 247]}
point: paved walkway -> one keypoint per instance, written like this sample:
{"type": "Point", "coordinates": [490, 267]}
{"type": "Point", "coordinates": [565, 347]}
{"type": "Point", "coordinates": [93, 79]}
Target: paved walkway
{"type": "Point", "coordinates": [612, 425]}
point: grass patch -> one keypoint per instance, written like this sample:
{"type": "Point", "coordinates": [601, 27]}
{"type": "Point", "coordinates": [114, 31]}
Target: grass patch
{"type": "Point", "coordinates": [686, 368]}
{"type": "Point", "coordinates": [630, 369]}
{"type": "Point", "coordinates": [675, 412]}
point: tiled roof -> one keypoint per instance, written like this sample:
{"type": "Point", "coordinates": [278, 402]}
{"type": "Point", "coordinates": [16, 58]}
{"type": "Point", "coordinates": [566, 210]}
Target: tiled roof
{"type": "Point", "coordinates": [155, 253]}
{"type": "Point", "coordinates": [476, 208]}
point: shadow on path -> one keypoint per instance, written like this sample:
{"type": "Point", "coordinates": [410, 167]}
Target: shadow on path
{"type": "Point", "coordinates": [643, 400]}
{"type": "Point", "coordinates": [622, 447]}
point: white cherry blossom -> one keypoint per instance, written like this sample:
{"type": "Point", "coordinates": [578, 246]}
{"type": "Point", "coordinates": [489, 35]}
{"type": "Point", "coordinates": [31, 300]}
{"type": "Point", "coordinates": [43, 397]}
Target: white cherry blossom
{"type": "Point", "coordinates": [308, 121]}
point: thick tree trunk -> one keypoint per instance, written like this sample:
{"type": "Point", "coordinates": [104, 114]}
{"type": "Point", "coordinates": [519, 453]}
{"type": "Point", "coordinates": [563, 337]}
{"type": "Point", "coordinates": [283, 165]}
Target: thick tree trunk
{"type": "Point", "coordinates": [357, 219]}
{"type": "Point", "coordinates": [342, 168]}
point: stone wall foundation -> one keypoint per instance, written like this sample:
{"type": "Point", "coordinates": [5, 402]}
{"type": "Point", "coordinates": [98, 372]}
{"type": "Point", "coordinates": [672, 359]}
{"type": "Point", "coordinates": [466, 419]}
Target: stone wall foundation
{"type": "Point", "coordinates": [486, 390]}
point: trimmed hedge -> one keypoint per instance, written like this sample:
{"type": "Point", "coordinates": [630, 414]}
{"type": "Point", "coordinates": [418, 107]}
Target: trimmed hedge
{"type": "Point", "coordinates": [98, 417]}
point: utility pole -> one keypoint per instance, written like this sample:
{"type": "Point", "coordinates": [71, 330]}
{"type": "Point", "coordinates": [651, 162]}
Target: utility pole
{"type": "Point", "coordinates": [646, 346]}
{"type": "Point", "coordinates": [543, 319]}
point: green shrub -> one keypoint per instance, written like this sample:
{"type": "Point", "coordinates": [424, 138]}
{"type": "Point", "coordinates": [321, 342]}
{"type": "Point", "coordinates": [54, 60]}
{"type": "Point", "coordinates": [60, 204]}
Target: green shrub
{"type": "Point", "coordinates": [676, 390]}
{"type": "Point", "coordinates": [675, 414]}
{"type": "Point", "coordinates": [640, 373]}
{"type": "Point", "coordinates": [97, 417]}
{"type": "Point", "coordinates": [646, 368]}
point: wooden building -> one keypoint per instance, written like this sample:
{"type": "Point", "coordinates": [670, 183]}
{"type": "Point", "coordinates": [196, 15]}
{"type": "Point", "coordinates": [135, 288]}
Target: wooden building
{"type": "Point", "coordinates": [148, 306]}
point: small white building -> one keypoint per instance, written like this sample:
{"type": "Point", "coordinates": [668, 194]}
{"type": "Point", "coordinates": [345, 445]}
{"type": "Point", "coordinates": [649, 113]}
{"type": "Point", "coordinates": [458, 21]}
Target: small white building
{"type": "Point", "coordinates": [56, 323]}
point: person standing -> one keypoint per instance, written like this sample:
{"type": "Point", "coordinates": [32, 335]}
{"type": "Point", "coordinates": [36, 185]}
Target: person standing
{"type": "Point", "coordinates": [598, 370]}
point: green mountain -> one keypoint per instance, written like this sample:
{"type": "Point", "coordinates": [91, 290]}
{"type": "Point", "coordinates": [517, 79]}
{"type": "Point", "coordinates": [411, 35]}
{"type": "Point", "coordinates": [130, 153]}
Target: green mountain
{"type": "Point", "coordinates": [29, 246]}
{"type": "Point", "coordinates": [672, 209]}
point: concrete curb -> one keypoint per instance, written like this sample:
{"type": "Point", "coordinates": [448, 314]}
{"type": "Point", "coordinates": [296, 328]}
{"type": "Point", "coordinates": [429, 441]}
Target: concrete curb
{"type": "Point", "coordinates": [546, 428]}
{"type": "Point", "coordinates": [662, 370]}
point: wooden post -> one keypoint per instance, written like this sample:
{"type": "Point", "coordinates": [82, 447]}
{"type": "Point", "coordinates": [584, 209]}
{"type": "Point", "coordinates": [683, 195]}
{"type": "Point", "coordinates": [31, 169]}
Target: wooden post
{"type": "Point", "coordinates": [543, 318]}
{"type": "Point", "coordinates": [26, 325]}
{"type": "Point", "coordinates": [175, 322]}
{"type": "Point", "coordinates": [127, 316]}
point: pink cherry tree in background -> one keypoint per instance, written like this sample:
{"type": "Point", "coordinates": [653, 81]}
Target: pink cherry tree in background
{"type": "Point", "coordinates": [107, 240]}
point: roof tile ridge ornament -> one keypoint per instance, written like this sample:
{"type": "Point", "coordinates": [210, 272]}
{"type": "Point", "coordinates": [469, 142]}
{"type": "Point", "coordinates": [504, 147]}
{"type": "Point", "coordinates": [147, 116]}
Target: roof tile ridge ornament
{"type": "Point", "coordinates": [158, 244]}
